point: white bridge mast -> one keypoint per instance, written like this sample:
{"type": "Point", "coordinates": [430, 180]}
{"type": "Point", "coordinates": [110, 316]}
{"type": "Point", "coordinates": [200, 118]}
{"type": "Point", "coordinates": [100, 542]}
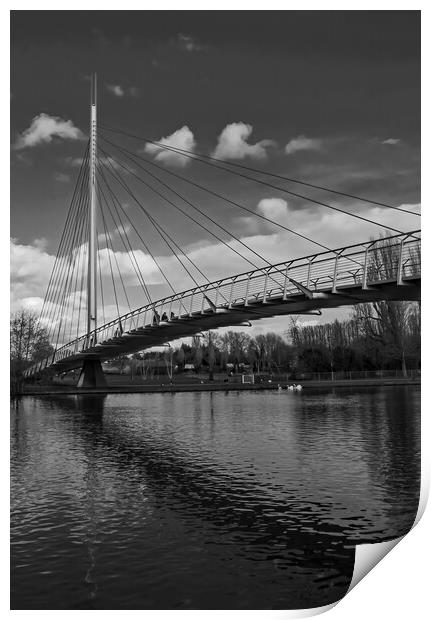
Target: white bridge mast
{"type": "Point", "coordinates": [92, 240]}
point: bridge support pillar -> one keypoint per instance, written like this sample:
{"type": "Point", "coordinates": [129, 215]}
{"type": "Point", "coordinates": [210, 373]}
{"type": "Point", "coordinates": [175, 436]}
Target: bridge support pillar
{"type": "Point", "coordinates": [92, 375]}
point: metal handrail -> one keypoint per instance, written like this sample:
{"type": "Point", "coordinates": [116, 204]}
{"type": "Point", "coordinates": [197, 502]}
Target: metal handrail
{"type": "Point", "coordinates": [324, 269]}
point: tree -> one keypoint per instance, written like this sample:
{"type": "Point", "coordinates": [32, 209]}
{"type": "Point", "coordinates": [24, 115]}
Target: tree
{"type": "Point", "coordinates": [269, 350]}
{"type": "Point", "coordinates": [197, 359]}
{"type": "Point", "coordinates": [384, 334]}
{"type": "Point", "coordinates": [209, 339]}
{"type": "Point", "coordinates": [237, 344]}
{"type": "Point", "coordinates": [388, 323]}
{"type": "Point", "coordinates": [180, 358]}
{"type": "Point", "coordinates": [29, 342]}
{"type": "Point", "coordinates": [122, 360]}
{"type": "Point", "coordinates": [168, 356]}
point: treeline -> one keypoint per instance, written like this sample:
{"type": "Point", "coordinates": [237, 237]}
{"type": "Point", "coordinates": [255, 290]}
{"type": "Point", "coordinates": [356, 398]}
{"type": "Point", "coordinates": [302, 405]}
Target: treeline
{"type": "Point", "coordinates": [378, 336]}
{"type": "Point", "coordinates": [232, 352]}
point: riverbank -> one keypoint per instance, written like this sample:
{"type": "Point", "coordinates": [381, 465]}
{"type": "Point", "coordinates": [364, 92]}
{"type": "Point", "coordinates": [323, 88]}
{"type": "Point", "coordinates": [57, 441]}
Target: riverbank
{"type": "Point", "coordinates": [210, 386]}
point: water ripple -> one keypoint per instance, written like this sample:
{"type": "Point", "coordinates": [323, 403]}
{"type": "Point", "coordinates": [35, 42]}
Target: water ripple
{"type": "Point", "coordinates": [206, 500]}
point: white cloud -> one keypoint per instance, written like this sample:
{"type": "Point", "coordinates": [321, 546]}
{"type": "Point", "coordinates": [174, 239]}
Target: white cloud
{"type": "Point", "coordinates": [302, 143]}
{"type": "Point", "coordinates": [188, 44]}
{"type": "Point", "coordinates": [73, 162]}
{"type": "Point", "coordinates": [41, 243]}
{"type": "Point", "coordinates": [123, 259]}
{"type": "Point", "coordinates": [415, 207]}
{"type": "Point", "coordinates": [115, 89]}
{"type": "Point", "coordinates": [273, 208]}
{"type": "Point", "coordinates": [113, 163]}
{"type": "Point", "coordinates": [391, 141]}
{"type": "Point", "coordinates": [30, 268]}
{"type": "Point", "coordinates": [232, 143]}
{"type": "Point", "coordinates": [61, 177]}
{"type": "Point", "coordinates": [121, 91]}
{"type": "Point", "coordinates": [44, 128]}
{"type": "Point", "coordinates": [182, 139]}
{"type": "Point", "coordinates": [125, 228]}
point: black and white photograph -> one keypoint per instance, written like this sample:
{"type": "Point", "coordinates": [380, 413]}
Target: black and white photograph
{"type": "Point", "coordinates": [215, 304]}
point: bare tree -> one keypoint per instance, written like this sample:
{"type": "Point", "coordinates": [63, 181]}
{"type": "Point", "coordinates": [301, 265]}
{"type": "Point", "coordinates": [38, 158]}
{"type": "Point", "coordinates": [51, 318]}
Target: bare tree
{"type": "Point", "coordinates": [168, 356]}
{"type": "Point", "coordinates": [180, 358]}
{"type": "Point", "coordinates": [210, 342]}
{"type": "Point", "coordinates": [388, 323]}
{"type": "Point", "coordinates": [237, 344]}
{"type": "Point", "coordinates": [29, 341]}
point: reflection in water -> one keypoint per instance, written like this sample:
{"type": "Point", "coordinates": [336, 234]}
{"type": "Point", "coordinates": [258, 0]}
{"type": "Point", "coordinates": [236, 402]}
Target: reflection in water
{"type": "Point", "coordinates": [206, 500]}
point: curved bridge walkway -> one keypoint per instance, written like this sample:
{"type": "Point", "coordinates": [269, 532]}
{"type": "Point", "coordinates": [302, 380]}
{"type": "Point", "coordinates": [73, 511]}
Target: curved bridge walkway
{"type": "Point", "coordinates": [386, 269]}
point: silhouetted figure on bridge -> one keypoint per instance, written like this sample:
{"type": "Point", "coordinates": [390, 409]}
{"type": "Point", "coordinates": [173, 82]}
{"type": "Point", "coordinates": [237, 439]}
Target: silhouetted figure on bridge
{"type": "Point", "coordinates": [119, 331]}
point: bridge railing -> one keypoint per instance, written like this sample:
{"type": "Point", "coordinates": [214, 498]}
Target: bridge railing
{"type": "Point", "coordinates": [389, 259]}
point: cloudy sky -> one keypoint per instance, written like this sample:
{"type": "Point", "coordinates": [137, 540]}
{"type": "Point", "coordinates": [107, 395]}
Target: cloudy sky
{"type": "Point", "coordinates": [331, 98]}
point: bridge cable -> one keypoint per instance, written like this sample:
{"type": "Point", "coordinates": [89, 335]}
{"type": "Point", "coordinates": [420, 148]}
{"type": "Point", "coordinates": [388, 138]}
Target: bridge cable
{"type": "Point", "coordinates": [65, 264]}
{"type": "Point", "coordinates": [164, 197]}
{"type": "Point", "coordinates": [196, 209]}
{"type": "Point", "coordinates": [109, 259]}
{"type": "Point", "coordinates": [286, 191]}
{"type": "Point", "coordinates": [62, 241]}
{"type": "Point", "coordinates": [76, 243]}
{"type": "Point", "coordinates": [75, 255]}
{"type": "Point", "coordinates": [69, 279]}
{"type": "Point", "coordinates": [58, 274]}
{"type": "Point", "coordinates": [75, 291]}
{"type": "Point", "coordinates": [63, 244]}
{"type": "Point", "coordinates": [61, 282]}
{"type": "Point", "coordinates": [227, 200]}
{"type": "Point", "coordinates": [71, 264]}
{"type": "Point", "coordinates": [128, 247]}
{"type": "Point", "coordinates": [81, 248]}
{"type": "Point", "coordinates": [137, 232]}
{"type": "Point", "coordinates": [109, 237]}
{"type": "Point", "coordinates": [83, 274]}
{"type": "Point", "coordinates": [195, 155]}
{"type": "Point", "coordinates": [162, 232]}
{"type": "Point", "coordinates": [131, 156]}
{"type": "Point", "coordinates": [100, 280]}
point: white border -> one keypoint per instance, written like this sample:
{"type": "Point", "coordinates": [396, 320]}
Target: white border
{"type": "Point", "coordinates": [399, 585]}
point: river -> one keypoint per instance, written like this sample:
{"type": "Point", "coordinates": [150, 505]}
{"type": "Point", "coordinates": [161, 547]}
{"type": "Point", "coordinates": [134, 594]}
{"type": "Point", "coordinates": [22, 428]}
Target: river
{"type": "Point", "coordinates": [223, 500]}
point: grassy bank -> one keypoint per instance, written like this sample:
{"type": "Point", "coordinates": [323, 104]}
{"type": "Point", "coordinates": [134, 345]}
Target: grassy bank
{"type": "Point", "coordinates": [209, 386]}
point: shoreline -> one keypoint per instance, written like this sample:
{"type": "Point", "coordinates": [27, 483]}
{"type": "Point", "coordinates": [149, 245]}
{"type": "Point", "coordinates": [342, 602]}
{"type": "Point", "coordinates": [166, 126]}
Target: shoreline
{"type": "Point", "coordinates": [210, 387]}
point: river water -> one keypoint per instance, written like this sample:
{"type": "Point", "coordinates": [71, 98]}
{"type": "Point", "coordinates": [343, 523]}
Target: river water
{"type": "Point", "coordinates": [236, 500]}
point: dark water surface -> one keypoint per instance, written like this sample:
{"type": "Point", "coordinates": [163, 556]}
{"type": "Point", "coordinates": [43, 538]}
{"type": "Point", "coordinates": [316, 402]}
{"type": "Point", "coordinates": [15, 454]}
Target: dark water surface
{"type": "Point", "coordinates": [238, 500]}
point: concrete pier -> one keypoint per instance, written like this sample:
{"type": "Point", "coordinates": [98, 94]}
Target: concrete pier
{"type": "Point", "coordinates": [92, 375]}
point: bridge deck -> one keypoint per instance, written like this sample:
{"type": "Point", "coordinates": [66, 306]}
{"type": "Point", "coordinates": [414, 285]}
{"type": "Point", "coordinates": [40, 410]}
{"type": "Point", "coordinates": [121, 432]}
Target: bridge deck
{"type": "Point", "coordinates": [386, 269]}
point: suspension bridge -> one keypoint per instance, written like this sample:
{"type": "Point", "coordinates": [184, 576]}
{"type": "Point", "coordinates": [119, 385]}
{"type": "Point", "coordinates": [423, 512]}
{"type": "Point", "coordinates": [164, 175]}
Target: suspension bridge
{"type": "Point", "coordinates": [106, 264]}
